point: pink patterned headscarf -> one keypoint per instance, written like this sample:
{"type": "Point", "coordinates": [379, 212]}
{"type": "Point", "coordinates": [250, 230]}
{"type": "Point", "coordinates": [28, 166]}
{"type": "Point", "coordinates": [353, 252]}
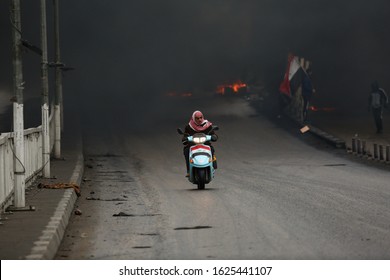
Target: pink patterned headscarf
{"type": "Point", "coordinates": [198, 123]}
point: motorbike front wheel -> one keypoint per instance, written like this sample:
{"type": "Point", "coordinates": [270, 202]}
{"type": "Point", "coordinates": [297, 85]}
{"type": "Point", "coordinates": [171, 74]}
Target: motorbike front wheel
{"type": "Point", "coordinates": [201, 178]}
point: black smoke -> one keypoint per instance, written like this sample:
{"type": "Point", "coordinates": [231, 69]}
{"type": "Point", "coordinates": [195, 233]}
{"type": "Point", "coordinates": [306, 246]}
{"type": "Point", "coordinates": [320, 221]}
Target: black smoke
{"type": "Point", "coordinates": [126, 53]}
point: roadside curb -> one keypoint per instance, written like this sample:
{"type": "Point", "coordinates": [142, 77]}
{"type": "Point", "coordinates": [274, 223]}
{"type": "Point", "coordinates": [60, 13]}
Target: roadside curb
{"type": "Point", "coordinates": [48, 243]}
{"type": "Point", "coordinates": [336, 142]}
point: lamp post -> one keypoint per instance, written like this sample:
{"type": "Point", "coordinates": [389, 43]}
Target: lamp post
{"type": "Point", "coordinates": [58, 107]}
{"type": "Point", "coordinates": [45, 94]}
{"type": "Point", "coordinates": [19, 170]}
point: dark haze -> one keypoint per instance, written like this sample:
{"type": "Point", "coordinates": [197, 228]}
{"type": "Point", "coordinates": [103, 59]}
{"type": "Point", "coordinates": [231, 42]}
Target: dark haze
{"type": "Point", "coordinates": [128, 54]}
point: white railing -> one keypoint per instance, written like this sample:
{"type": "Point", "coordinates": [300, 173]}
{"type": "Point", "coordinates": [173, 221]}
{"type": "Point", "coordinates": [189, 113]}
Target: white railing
{"type": "Point", "coordinates": [6, 170]}
{"type": "Point", "coordinates": [33, 160]}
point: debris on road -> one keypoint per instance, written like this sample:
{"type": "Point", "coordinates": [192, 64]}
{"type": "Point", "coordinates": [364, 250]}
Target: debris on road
{"type": "Point", "coordinates": [61, 186]}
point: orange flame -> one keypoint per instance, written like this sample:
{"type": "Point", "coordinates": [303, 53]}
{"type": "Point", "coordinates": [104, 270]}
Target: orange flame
{"type": "Point", "coordinates": [235, 86]}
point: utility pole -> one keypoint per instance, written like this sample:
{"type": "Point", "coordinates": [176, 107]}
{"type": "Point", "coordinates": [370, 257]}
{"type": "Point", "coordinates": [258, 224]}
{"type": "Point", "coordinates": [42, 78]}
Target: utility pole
{"type": "Point", "coordinates": [58, 107]}
{"type": "Point", "coordinates": [19, 169]}
{"type": "Point", "coordinates": [45, 95]}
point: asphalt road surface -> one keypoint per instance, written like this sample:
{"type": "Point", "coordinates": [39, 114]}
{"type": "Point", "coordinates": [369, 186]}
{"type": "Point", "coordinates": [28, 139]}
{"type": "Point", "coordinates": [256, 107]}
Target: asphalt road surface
{"type": "Point", "coordinates": [276, 194]}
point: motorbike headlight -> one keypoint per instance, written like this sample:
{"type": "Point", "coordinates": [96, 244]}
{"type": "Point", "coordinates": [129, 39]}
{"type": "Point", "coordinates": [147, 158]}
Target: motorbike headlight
{"type": "Point", "coordinates": [199, 140]}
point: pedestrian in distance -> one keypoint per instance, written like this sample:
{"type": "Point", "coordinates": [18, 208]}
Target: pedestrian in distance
{"type": "Point", "coordinates": [307, 92]}
{"type": "Point", "coordinates": [283, 102]}
{"type": "Point", "coordinates": [376, 102]}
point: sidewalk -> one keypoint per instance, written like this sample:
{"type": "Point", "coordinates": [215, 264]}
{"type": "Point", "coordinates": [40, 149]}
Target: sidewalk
{"type": "Point", "coordinates": [336, 126]}
{"type": "Point", "coordinates": [37, 233]}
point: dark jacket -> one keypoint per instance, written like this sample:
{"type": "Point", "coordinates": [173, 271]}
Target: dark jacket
{"type": "Point", "coordinates": [377, 99]}
{"type": "Point", "coordinates": [307, 87]}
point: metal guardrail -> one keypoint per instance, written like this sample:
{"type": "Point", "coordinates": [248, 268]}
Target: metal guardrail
{"type": "Point", "coordinates": [33, 160]}
{"type": "Point", "coordinates": [6, 170]}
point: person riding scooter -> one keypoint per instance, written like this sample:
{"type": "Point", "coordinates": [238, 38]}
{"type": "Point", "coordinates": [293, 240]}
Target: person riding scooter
{"type": "Point", "coordinates": [198, 124]}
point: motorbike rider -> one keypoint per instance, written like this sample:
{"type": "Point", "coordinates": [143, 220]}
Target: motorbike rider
{"type": "Point", "coordinates": [198, 124]}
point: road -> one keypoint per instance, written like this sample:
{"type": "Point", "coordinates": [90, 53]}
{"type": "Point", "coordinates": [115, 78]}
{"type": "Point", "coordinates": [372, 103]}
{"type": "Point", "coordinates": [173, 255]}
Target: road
{"type": "Point", "coordinates": [276, 194]}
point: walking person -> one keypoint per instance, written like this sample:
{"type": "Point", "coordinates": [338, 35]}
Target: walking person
{"type": "Point", "coordinates": [307, 91]}
{"type": "Point", "coordinates": [376, 102]}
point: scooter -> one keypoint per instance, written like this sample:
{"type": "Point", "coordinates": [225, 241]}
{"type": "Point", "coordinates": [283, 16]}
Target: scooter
{"type": "Point", "coordinates": [200, 159]}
